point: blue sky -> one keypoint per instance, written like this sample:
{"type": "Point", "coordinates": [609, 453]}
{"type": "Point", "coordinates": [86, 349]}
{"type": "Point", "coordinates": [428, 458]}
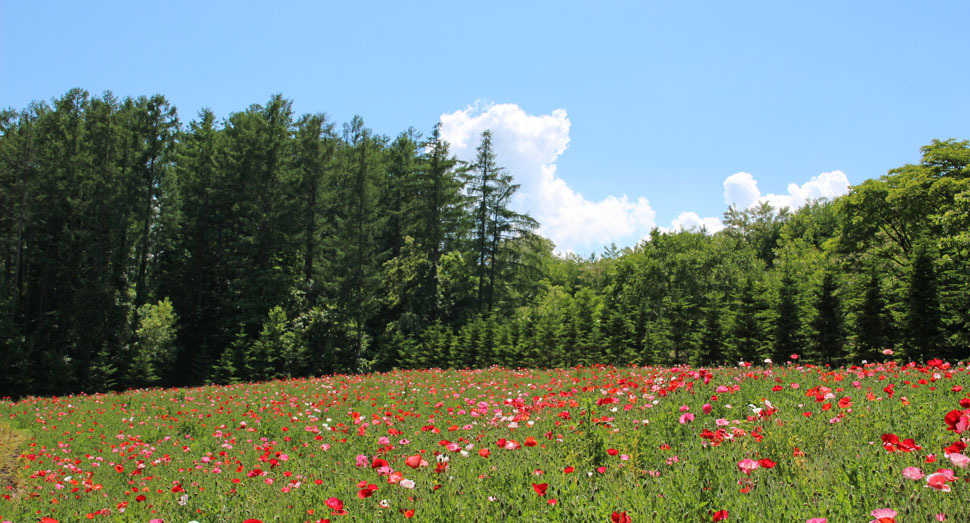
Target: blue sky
{"type": "Point", "coordinates": [615, 117]}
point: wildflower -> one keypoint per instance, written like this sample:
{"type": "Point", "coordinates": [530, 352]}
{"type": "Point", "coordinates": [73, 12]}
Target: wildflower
{"type": "Point", "coordinates": [540, 488]}
{"type": "Point", "coordinates": [336, 506]}
{"type": "Point", "coordinates": [883, 515]}
{"type": "Point", "coordinates": [620, 517]}
{"type": "Point", "coordinates": [937, 481]}
{"type": "Point", "coordinates": [720, 515]}
{"type": "Point", "coordinates": [746, 466]}
{"type": "Point", "coordinates": [913, 473]}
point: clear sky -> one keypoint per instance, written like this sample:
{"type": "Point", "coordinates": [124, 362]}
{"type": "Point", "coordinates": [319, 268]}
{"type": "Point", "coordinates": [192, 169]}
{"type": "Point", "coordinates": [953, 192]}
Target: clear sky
{"type": "Point", "coordinates": [614, 116]}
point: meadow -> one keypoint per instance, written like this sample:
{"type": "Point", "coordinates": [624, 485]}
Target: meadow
{"type": "Point", "coordinates": [879, 442]}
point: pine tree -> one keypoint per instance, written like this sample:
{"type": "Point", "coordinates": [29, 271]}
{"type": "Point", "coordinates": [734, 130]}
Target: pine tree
{"type": "Point", "coordinates": [787, 333]}
{"type": "Point", "coordinates": [872, 321]}
{"type": "Point", "coordinates": [711, 347]}
{"type": "Point", "coordinates": [923, 316]}
{"type": "Point", "coordinates": [496, 226]}
{"type": "Point", "coordinates": [828, 335]}
{"type": "Point", "coordinates": [745, 335]}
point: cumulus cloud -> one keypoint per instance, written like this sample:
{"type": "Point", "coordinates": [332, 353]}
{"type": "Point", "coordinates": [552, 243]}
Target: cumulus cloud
{"type": "Point", "coordinates": [529, 147]}
{"type": "Point", "coordinates": [692, 221]}
{"type": "Point", "coordinates": [741, 190]}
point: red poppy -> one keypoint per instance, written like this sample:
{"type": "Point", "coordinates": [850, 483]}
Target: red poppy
{"type": "Point", "coordinates": [721, 515]}
{"type": "Point", "coordinates": [540, 488]}
{"type": "Point", "coordinates": [336, 506]}
{"type": "Point", "coordinates": [620, 517]}
{"type": "Point", "coordinates": [413, 461]}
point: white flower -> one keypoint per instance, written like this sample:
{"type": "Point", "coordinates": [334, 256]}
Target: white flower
{"type": "Point", "coordinates": [407, 483]}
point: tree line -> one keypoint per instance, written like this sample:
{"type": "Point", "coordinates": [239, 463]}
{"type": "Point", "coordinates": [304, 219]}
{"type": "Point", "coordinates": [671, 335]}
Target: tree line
{"type": "Point", "coordinates": [140, 251]}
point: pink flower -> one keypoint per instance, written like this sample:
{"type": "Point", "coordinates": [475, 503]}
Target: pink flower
{"type": "Point", "coordinates": [937, 481]}
{"type": "Point", "coordinates": [913, 473]}
{"type": "Point", "coordinates": [686, 418]}
{"type": "Point", "coordinates": [959, 460]}
{"type": "Point", "coordinates": [887, 352]}
{"type": "Point", "coordinates": [748, 465]}
{"type": "Point", "coordinates": [883, 513]}
{"type": "Point", "coordinates": [941, 517]}
{"type": "Point", "coordinates": [706, 409]}
{"type": "Point", "coordinates": [816, 520]}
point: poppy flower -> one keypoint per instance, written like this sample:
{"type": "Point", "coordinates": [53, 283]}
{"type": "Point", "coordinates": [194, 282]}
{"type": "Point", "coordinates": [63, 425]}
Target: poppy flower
{"type": "Point", "coordinates": [720, 515]}
{"type": "Point", "coordinates": [746, 466]}
{"type": "Point", "coordinates": [540, 488]}
{"type": "Point", "coordinates": [913, 473]}
{"type": "Point", "coordinates": [336, 506]}
{"type": "Point", "coordinates": [413, 461]}
{"type": "Point", "coordinates": [620, 517]}
{"type": "Point", "coordinates": [937, 481]}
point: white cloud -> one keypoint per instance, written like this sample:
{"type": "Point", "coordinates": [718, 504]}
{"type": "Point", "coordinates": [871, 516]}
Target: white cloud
{"type": "Point", "coordinates": [691, 220]}
{"type": "Point", "coordinates": [529, 147]}
{"type": "Point", "coordinates": [741, 190]}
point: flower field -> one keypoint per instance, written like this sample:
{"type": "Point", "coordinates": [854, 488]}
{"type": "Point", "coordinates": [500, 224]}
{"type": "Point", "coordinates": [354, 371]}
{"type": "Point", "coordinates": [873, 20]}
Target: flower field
{"type": "Point", "coordinates": [882, 442]}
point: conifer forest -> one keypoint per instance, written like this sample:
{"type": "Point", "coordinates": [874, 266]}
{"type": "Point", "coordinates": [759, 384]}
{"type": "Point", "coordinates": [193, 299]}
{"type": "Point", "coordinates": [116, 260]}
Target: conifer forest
{"type": "Point", "coordinates": [142, 249]}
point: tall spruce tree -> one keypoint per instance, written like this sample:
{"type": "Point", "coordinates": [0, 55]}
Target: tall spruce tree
{"type": "Point", "coordinates": [828, 332]}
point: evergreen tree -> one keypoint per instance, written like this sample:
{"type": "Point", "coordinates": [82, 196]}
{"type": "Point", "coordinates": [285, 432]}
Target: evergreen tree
{"type": "Point", "coordinates": [923, 333]}
{"type": "Point", "coordinates": [496, 226]}
{"type": "Point", "coordinates": [711, 347]}
{"type": "Point", "coordinates": [787, 332]}
{"type": "Point", "coordinates": [872, 321]}
{"type": "Point", "coordinates": [745, 337]}
{"type": "Point", "coordinates": [828, 336]}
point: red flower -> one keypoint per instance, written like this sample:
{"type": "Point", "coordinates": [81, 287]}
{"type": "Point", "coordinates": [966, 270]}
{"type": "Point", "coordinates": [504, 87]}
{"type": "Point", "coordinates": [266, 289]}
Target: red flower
{"type": "Point", "coordinates": [721, 515]}
{"type": "Point", "coordinates": [407, 513]}
{"type": "Point", "coordinates": [336, 506]}
{"type": "Point", "coordinates": [540, 488]}
{"type": "Point", "coordinates": [413, 461]}
{"type": "Point", "coordinates": [620, 517]}
{"type": "Point", "coordinates": [253, 521]}
{"type": "Point", "coordinates": [766, 463]}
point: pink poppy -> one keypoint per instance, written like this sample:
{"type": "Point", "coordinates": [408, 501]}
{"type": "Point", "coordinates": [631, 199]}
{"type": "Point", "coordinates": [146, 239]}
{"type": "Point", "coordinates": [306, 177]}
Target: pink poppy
{"type": "Point", "coordinates": [913, 473]}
